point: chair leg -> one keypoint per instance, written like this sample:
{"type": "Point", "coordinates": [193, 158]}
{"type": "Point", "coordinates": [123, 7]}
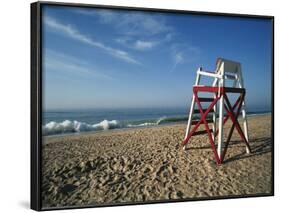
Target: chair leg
{"type": "Point", "coordinates": [245, 124]}
{"type": "Point", "coordinates": [189, 119]}
{"type": "Point", "coordinates": [214, 121]}
{"type": "Point", "coordinates": [244, 116]}
{"type": "Point", "coordinates": [192, 107]}
{"type": "Point", "coordinates": [235, 120]}
{"type": "Point", "coordinates": [220, 136]}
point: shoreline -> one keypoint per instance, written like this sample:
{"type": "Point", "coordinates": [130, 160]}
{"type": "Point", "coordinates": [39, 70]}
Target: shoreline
{"type": "Point", "coordinates": [134, 128]}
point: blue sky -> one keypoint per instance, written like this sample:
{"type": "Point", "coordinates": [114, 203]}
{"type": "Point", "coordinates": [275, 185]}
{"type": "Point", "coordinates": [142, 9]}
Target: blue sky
{"type": "Point", "coordinates": [97, 58]}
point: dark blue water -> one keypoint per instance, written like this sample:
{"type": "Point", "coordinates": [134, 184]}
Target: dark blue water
{"type": "Point", "coordinates": [98, 115]}
{"type": "Point", "coordinates": [71, 121]}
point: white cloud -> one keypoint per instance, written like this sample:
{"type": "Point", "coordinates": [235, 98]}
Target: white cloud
{"type": "Point", "coordinates": [140, 23]}
{"type": "Point", "coordinates": [139, 44]}
{"type": "Point", "coordinates": [61, 62]}
{"type": "Point", "coordinates": [131, 22]}
{"type": "Point", "coordinates": [183, 52]}
{"type": "Point", "coordinates": [144, 45]}
{"type": "Point", "coordinates": [179, 58]}
{"type": "Point", "coordinates": [105, 15]}
{"type": "Point", "coordinates": [139, 30]}
{"type": "Point", "coordinates": [73, 33]}
{"type": "Point", "coordinates": [123, 40]}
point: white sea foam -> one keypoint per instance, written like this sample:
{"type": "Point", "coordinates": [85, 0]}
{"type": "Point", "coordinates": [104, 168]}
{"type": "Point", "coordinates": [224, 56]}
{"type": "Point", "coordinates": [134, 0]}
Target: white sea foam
{"type": "Point", "coordinates": [68, 126]}
{"type": "Point", "coordinates": [142, 124]}
{"type": "Point", "coordinates": [159, 121]}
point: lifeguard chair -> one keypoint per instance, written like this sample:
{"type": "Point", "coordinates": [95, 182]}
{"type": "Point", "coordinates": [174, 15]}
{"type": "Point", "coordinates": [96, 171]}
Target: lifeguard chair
{"type": "Point", "coordinates": [220, 107]}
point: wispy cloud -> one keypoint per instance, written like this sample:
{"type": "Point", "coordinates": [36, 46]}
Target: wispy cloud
{"type": "Point", "coordinates": [145, 31]}
{"type": "Point", "coordinates": [139, 23]}
{"type": "Point", "coordinates": [178, 59]}
{"type": "Point", "coordinates": [139, 44]}
{"type": "Point", "coordinates": [61, 62]}
{"type": "Point", "coordinates": [144, 45]}
{"type": "Point", "coordinates": [183, 53]}
{"type": "Point", "coordinates": [71, 32]}
{"type": "Point", "coordinates": [105, 15]}
{"type": "Point", "coordinates": [131, 22]}
{"type": "Point", "coordinates": [137, 30]}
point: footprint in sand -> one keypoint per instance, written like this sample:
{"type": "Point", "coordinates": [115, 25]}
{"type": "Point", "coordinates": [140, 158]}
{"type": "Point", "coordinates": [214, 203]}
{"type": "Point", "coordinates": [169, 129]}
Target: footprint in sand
{"type": "Point", "coordinates": [68, 188]}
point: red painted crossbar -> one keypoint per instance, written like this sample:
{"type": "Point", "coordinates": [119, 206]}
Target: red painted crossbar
{"type": "Point", "coordinates": [219, 92]}
{"type": "Point", "coordinates": [218, 89]}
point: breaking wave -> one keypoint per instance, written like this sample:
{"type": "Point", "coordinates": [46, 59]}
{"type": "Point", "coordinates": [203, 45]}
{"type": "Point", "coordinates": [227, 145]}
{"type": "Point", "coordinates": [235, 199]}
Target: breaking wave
{"type": "Point", "coordinates": [67, 126]}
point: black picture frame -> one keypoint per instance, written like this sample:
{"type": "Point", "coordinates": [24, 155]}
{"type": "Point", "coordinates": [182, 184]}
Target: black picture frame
{"type": "Point", "coordinates": [36, 98]}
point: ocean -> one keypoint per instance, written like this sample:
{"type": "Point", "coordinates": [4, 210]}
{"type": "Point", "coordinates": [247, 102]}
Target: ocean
{"type": "Point", "coordinates": [57, 122]}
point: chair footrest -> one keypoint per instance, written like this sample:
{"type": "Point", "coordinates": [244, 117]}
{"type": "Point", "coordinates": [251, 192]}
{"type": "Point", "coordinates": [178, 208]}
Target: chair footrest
{"type": "Point", "coordinates": [203, 99]}
{"type": "Point", "coordinates": [196, 121]}
{"type": "Point", "coordinates": [202, 132]}
{"type": "Point", "coordinates": [198, 111]}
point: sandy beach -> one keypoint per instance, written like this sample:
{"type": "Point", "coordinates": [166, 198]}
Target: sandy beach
{"type": "Point", "coordinates": [148, 164]}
